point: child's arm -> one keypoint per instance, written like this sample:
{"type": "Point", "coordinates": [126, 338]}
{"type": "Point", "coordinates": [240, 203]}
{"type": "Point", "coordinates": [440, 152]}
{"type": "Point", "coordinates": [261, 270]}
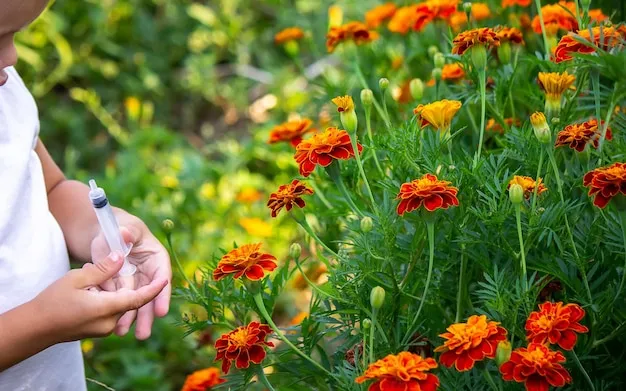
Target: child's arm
{"type": "Point", "coordinates": [69, 203]}
{"type": "Point", "coordinates": [70, 309]}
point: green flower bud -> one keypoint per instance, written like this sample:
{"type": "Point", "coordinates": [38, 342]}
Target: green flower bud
{"type": "Point", "coordinates": [432, 50]}
{"type": "Point", "coordinates": [377, 297]}
{"type": "Point", "coordinates": [349, 120]}
{"type": "Point", "coordinates": [167, 225]}
{"type": "Point", "coordinates": [367, 224]}
{"type": "Point", "coordinates": [436, 73]}
{"type": "Point", "coordinates": [367, 97]}
{"type": "Point", "coordinates": [292, 48]}
{"type": "Point", "coordinates": [503, 352]}
{"type": "Point", "coordinates": [416, 86]}
{"type": "Point", "coordinates": [439, 60]}
{"type": "Point", "coordinates": [516, 194]}
{"type": "Point", "coordinates": [467, 7]}
{"type": "Point", "coordinates": [295, 250]}
{"type": "Point", "coordinates": [479, 56]}
{"type": "Point", "coordinates": [540, 127]}
{"type": "Point", "coordinates": [366, 324]}
{"type": "Point", "coordinates": [504, 52]}
{"type": "Point", "coordinates": [383, 83]}
{"type": "Point", "coordinates": [585, 4]}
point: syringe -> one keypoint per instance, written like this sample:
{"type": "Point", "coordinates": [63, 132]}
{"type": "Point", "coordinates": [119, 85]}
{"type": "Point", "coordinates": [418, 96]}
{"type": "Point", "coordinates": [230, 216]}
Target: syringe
{"type": "Point", "coordinates": [109, 226]}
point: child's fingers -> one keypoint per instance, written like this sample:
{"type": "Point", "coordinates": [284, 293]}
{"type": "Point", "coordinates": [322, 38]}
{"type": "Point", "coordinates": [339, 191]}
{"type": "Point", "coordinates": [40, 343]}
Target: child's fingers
{"type": "Point", "coordinates": [97, 273]}
{"type": "Point", "coordinates": [124, 323]}
{"type": "Point", "coordinates": [145, 318]}
{"type": "Point", "coordinates": [163, 271]}
{"type": "Point", "coordinates": [126, 300]}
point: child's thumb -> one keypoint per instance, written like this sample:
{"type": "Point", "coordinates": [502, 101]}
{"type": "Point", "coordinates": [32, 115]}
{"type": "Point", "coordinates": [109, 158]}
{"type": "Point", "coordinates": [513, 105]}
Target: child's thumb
{"type": "Point", "coordinates": [100, 271]}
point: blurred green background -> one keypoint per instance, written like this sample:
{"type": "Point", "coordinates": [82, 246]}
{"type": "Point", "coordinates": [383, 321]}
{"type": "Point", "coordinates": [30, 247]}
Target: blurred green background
{"type": "Point", "coordinates": [169, 104]}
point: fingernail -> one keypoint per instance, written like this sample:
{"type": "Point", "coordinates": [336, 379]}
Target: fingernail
{"type": "Point", "coordinates": [115, 257]}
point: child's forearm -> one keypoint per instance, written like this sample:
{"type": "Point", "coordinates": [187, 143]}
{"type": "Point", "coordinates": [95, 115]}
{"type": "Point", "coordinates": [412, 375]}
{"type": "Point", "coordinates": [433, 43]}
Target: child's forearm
{"type": "Point", "coordinates": [22, 334]}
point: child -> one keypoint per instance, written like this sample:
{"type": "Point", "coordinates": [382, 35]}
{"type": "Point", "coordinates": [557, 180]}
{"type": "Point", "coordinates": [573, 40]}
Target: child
{"type": "Point", "coordinates": [45, 308]}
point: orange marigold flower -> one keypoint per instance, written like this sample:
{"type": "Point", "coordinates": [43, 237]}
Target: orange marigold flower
{"type": "Point", "coordinates": [511, 3]}
{"type": "Point", "coordinates": [352, 31]}
{"type": "Point", "coordinates": [377, 15]}
{"type": "Point", "coordinates": [555, 323]}
{"type": "Point", "coordinates": [243, 345]}
{"type": "Point", "coordinates": [557, 17]}
{"type": "Point", "coordinates": [536, 366]}
{"type": "Point", "coordinates": [203, 380]}
{"type": "Point", "coordinates": [323, 148]}
{"type": "Point", "coordinates": [403, 19]}
{"type": "Point", "coordinates": [428, 191]}
{"type": "Point", "coordinates": [528, 184]}
{"type": "Point", "coordinates": [554, 84]}
{"type": "Point", "coordinates": [572, 43]}
{"type": "Point", "coordinates": [430, 10]}
{"type": "Point", "coordinates": [469, 342]}
{"type": "Point", "coordinates": [402, 93]}
{"type": "Point", "coordinates": [403, 371]}
{"type": "Point", "coordinates": [494, 126]}
{"type": "Point", "coordinates": [480, 36]}
{"type": "Point", "coordinates": [246, 260]}
{"type": "Point", "coordinates": [288, 195]}
{"type": "Point", "coordinates": [438, 114]}
{"type": "Point", "coordinates": [288, 34]}
{"type": "Point", "coordinates": [249, 195]}
{"type": "Point", "coordinates": [597, 16]}
{"type": "Point", "coordinates": [510, 34]}
{"type": "Point", "coordinates": [525, 21]}
{"type": "Point", "coordinates": [291, 131]}
{"type": "Point", "coordinates": [577, 136]}
{"type": "Point", "coordinates": [605, 183]}
{"type": "Point", "coordinates": [344, 104]}
{"type": "Point", "coordinates": [453, 72]}
{"type": "Point", "coordinates": [480, 11]}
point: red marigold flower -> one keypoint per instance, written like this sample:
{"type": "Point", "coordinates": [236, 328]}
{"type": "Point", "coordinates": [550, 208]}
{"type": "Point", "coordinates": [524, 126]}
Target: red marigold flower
{"type": "Point", "coordinates": [605, 183]}
{"type": "Point", "coordinates": [480, 36]}
{"type": "Point", "coordinates": [453, 72]}
{"type": "Point", "coordinates": [537, 367]}
{"type": "Point", "coordinates": [288, 195]}
{"type": "Point", "coordinates": [203, 380]}
{"type": "Point", "coordinates": [510, 34]}
{"type": "Point", "coordinates": [469, 342]}
{"type": "Point", "coordinates": [511, 3]}
{"type": "Point", "coordinates": [246, 260]}
{"type": "Point", "coordinates": [557, 17]}
{"type": "Point", "coordinates": [602, 37]}
{"type": "Point", "coordinates": [323, 148]}
{"type": "Point", "coordinates": [577, 136]}
{"type": "Point", "coordinates": [291, 131]}
{"type": "Point", "coordinates": [243, 345]}
{"type": "Point", "coordinates": [496, 127]}
{"type": "Point", "coordinates": [401, 372]}
{"type": "Point", "coordinates": [428, 191]}
{"type": "Point", "coordinates": [288, 34]}
{"type": "Point", "coordinates": [352, 31]}
{"type": "Point", "coordinates": [377, 15]}
{"type": "Point", "coordinates": [434, 9]}
{"type": "Point", "coordinates": [528, 184]}
{"type": "Point", "coordinates": [555, 323]}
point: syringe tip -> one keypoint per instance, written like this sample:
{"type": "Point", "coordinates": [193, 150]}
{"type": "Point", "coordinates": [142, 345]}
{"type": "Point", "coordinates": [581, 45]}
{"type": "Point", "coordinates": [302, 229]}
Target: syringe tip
{"type": "Point", "coordinates": [92, 184]}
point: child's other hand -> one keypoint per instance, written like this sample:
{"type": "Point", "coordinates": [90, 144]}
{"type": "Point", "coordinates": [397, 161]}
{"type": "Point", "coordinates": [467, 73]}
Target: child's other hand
{"type": "Point", "coordinates": [74, 307]}
{"type": "Point", "coordinates": [153, 263]}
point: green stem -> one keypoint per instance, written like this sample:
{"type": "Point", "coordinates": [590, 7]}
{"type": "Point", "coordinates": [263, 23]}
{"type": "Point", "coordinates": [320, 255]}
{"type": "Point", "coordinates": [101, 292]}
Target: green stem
{"type": "Point", "coordinates": [301, 220]}
{"type": "Point", "coordinates": [578, 18]}
{"type": "Point", "coordinates": [490, 380]}
{"type": "Point", "coordinates": [377, 105]}
{"type": "Point", "coordinates": [483, 107]}
{"type": "Point", "coordinates": [315, 288]}
{"type": "Point", "coordinates": [261, 375]}
{"type": "Point", "coordinates": [357, 155]}
{"type": "Point", "coordinates": [582, 369]}
{"type": "Point", "coordinates": [539, 167]}
{"type": "Point", "coordinates": [518, 219]}
{"type": "Point", "coordinates": [512, 103]}
{"type": "Point", "coordinates": [372, 331]}
{"type": "Point", "coordinates": [622, 216]}
{"type": "Point", "coordinates": [320, 195]}
{"type": "Point", "coordinates": [459, 294]}
{"type": "Point", "coordinates": [368, 124]}
{"type": "Point", "coordinates": [335, 174]}
{"type": "Point", "coordinates": [543, 28]}
{"type": "Point", "coordinates": [192, 286]}
{"type": "Point", "coordinates": [595, 82]}
{"type": "Point", "coordinates": [258, 299]}
{"type": "Point", "coordinates": [388, 119]}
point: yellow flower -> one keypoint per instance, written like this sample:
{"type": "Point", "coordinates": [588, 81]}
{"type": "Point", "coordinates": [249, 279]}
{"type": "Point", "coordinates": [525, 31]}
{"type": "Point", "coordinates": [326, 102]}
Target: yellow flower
{"type": "Point", "coordinates": [169, 181]}
{"type": "Point", "coordinates": [249, 195]}
{"type": "Point", "coordinates": [256, 227]}
{"type": "Point", "coordinates": [207, 191]}
{"type": "Point", "coordinates": [86, 345]}
{"type": "Point", "coordinates": [344, 104]}
{"type": "Point", "coordinates": [335, 16]}
{"type": "Point", "coordinates": [438, 114]}
{"type": "Point", "coordinates": [554, 85]}
{"type": "Point", "coordinates": [133, 107]}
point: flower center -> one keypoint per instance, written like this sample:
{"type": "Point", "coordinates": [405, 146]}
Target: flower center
{"type": "Point", "coordinates": [240, 338]}
{"type": "Point", "coordinates": [546, 322]}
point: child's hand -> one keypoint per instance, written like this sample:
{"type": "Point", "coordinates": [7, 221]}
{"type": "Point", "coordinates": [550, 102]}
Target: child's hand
{"type": "Point", "coordinates": [74, 308]}
{"type": "Point", "coordinates": [153, 263]}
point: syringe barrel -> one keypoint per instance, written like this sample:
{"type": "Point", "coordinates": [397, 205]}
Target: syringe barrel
{"type": "Point", "coordinates": [110, 229]}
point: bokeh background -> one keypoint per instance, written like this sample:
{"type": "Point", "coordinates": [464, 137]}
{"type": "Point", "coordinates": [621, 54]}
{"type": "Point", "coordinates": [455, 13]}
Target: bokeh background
{"type": "Point", "coordinates": [168, 104]}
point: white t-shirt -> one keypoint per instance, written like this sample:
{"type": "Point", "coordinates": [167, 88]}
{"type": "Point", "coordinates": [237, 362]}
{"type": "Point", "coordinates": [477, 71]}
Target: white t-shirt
{"type": "Point", "coordinates": [33, 253]}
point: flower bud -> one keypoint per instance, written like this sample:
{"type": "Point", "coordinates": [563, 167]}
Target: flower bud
{"type": "Point", "coordinates": [292, 48]}
{"type": "Point", "coordinates": [167, 225]}
{"type": "Point", "coordinates": [383, 83]}
{"type": "Point", "coordinates": [436, 74]}
{"type": "Point", "coordinates": [467, 7]}
{"type": "Point", "coordinates": [367, 224]}
{"type": "Point", "coordinates": [366, 324]}
{"type": "Point", "coordinates": [416, 86]}
{"type": "Point", "coordinates": [432, 50]}
{"type": "Point", "coordinates": [503, 352]}
{"type": "Point", "coordinates": [349, 120]}
{"type": "Point", "coordinates": [439, 60]}
{"type": "Point", "coordinates": [377, 297]}
{"type": "Point", "coordinates": [504, 52]}
{"type": "Point", "coordinates": [540, 127]}
{"type": "Point", "coordinates": [295, 250]}
{"type": "Point", "coordinates": [516, 194]}
{"type": "Point", "coordinates": [585, 4]}
{"type": "Point", "coordinates": [479, 56]}
{"type": "Point", "coordinates": [367, 97]}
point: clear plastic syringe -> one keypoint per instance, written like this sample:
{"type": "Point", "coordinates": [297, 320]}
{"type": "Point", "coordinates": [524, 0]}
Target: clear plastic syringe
{"type": "Point", "coordinates": [109, 226]}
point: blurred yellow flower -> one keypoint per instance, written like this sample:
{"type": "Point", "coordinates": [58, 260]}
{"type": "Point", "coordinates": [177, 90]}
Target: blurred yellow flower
{"type": "Point", "coordinates": [86, 345]}
{"type": "Point", "coordinates": [335, 16]}
{"type": "Point", "coordinates": [256, 227]}
{"type": "Point", "coordinates": [296, 320]}
{"type": "Point", "coordinates": [249, 195]}
{"type": "Point", "coordinates": [207, 191]}
{"type": "Point", "coordinates": [133, 107]}
{"type": "Point", "coordinates": [169, 181]}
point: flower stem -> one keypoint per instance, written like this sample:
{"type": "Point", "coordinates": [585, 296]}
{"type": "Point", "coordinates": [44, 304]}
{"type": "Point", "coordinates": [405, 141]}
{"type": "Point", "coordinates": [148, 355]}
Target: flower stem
{"type": "Point", "coordinates": [622, 216]}
{"type": "Point", "coordinates": [518, 219]}
{"type": "Point", "coordinates": [301, 220]}
{"type": "Point", "coordinates": [459, 294]}
{"type": "Point", "coordinates": [543, 28]}
{"type": "Point", "coordinates": [192, 286]}
{"type": "Point", "coordinates": [335, 174]}
{"type": "Point", "coordinates": [258, 299]}
{"type": "Point", "coordinates": [368, 124]}
{"type": "Point", "coordinates": [539, 167]}
{"type": "Point", "coordinates": [357, 155]}
{"type": "Point", "coordinates": [261, 375]}
{"type": "Point", "coordinates": [582, 369]}
{"type": "Point", "coordinates": [372, 331]}
{"type": "Point", "coordinates": [384, 93]}
{"type": "Point", "coordinates": [483, 107]}
{"type": "Point", "coordinates": [490, 380]}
